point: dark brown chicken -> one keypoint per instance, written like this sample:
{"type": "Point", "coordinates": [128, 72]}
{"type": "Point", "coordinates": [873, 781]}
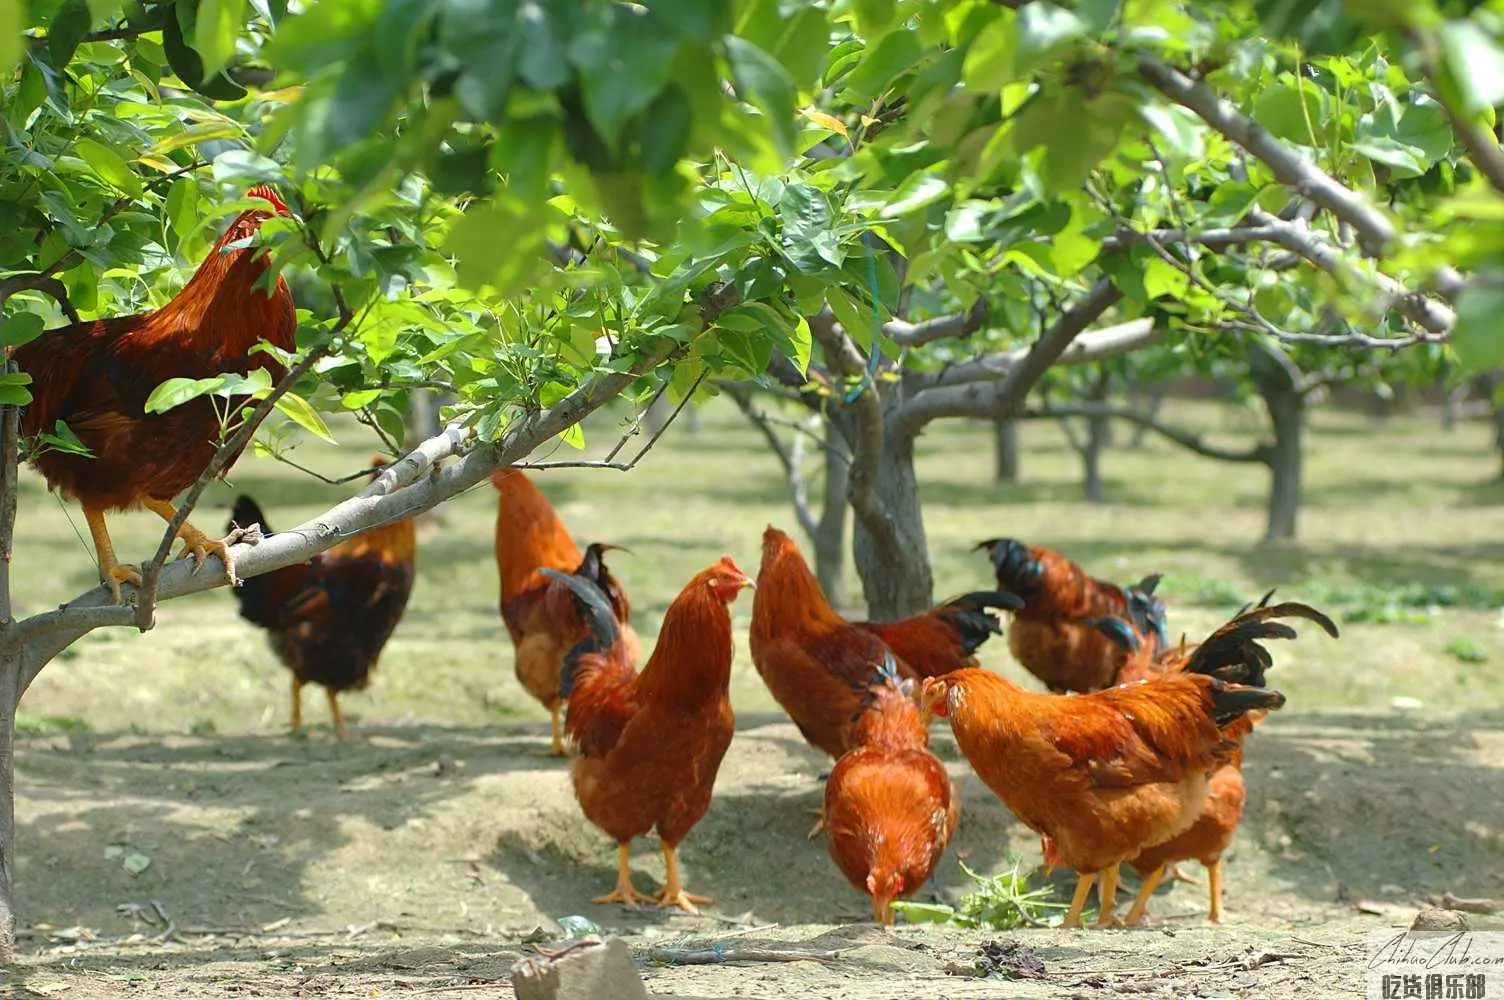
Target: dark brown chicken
{"type": "Point", "coordinates": [96, 377]}
{"type": "Point", "coordinates": [1058, 635]}
{"type": "Point", "coordinates": [329, 619]}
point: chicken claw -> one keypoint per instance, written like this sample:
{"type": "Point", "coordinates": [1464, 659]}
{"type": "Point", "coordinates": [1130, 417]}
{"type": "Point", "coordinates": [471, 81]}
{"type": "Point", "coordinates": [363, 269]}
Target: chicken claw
{"type": "Point", "coordinates": [625, 892]}
{"type": "Point", "coordinates": [1107, 897]}
{"type": "Point", "coordinates": [673, 893]}
{"type": "Point", "coordinates": [112, 572]}
{"type": "Point", "coordinates": [195, 542]}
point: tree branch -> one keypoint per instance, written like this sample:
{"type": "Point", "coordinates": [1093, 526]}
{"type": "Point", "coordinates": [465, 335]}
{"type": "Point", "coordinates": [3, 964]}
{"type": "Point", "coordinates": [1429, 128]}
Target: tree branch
{"type": "Point", "coordinates": [384, 501]}
{"type": "Point", "coordinates": [1002, 394]}
{"type": "Point", "coordinates": [1262, 453]}
{"type": "Point", "coordinates": [1098, 345]}
{"type": "Point", "coordinates": [791, 461]}
{"type": "Point", "coordinates": [1375, 232]}
{"type": "Point", "coordinates": [958, 325]}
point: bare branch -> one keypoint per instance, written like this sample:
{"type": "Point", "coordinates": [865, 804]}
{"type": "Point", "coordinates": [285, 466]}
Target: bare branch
{"type": "Point", "coordinates": [1002, 395]}
{"type": "Point", "coordinates": [1297, 237]}
{"type": "Point", "coordinates": [1098, 345]}
{"type": "Point", "coordinates": [1193, 442]}
{"type": "Point", "coordinates": [10, 458]}
{"type": "Point", "coordinates": [1375, 232]}
{"type": "Point", "coordinates": [1211, 239]}
{"type": "Point", "coordinates": [790, 459]}
{"type": "Point", "coordinates": [940, 328]}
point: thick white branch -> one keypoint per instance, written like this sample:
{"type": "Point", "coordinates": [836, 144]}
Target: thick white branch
{"type": "Point", "coordinates": [1097, 345]}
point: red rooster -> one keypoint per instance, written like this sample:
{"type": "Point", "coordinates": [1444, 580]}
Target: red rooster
{"type": "Point", "coordinates": [1058, 636]}
{"type": "Point", "coordinates": [816, 663]}
{"type": "Point", "coordinates": [652, 741]}
{"type": "Point", "coordinates": [96, 376]}
{"type": "Point", "coordinates": [890, 808]}
{"type": "Point", "coordinates": [540, 614]}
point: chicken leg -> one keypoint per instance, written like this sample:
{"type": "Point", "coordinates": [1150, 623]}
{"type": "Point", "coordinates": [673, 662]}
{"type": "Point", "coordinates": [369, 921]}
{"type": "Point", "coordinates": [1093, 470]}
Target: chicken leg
{"type": "Point", "coordinates": [1107, 899]}
{"type": "Point", "coordinates": [1176, 875]}
{"type": "Point", "coordinates": [556, 749]}
{"type": "Point", "coordinates": [111, 571]}
{"type": "Point", "coordinates": [297, 705]}
{"type": "Point", "coordinates": [1078, 901]}
{"type": "Point", "coordinates": [339, 717]}
{"type": "Point", "coordinates": [625, 893]}
{"type": "Point", "coordinates": [1214, 880]}
{"type": "Point", "coordinates": [195, 542]}
{"type": "Point", "coordinates": [672, 893]}
{"type": "Point", "coordinates": [1145, 889]}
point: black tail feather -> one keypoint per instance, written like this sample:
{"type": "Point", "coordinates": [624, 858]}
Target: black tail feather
{"type": "Point", "coordinates": [1231, 701]}
{"type": "Point", "coordinates": [596, 609]}
{"type": "Point", "coordinates": [1017, 569]}
{"type": "Point", "coordinates": [1233, 653]}
{"type": "Point", "coordinates": [1119, 631]}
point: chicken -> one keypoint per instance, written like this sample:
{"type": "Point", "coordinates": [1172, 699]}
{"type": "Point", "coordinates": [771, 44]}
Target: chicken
{"type": "Point", "coordinates": [329, 619]}
{"type": "Point", "coordinates": [947, 637]}
{"type": "Point", "coordinates": [817, 664]}
{"type": "Point", "coordinates": [97, 375]}
{"type": "Point", "coordinates": [1210, 835]}
{"type": "Point", "coordinates": [890, 807]}
{"type": "Point", "coordinates": [652, 741]}
{"type": "Point", "coordinates": [1105, 775]}
{"type": "Point", "coordinates": [1057, 636]}
{"type": "Point", "coordinates": [540, 615]}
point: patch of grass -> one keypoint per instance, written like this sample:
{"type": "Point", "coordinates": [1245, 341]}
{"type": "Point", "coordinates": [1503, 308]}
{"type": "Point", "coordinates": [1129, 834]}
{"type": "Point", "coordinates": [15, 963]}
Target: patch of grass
{"type": "Point", "coordinates": [1467, 650]}
{"type": "Point", "coordinates": [30, 724]}
{"type": "Point", "coordinates": [999, 902]}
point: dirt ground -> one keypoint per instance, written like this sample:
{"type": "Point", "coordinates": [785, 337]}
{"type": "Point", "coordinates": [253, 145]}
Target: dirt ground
{"type": "Point", "coordinates": [425, 861]}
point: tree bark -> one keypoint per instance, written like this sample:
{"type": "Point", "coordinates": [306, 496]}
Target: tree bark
{"type": "Point", "coordinates": [1488, 387]}
{"type": "Point", "coordinates": [10, 696]}
{"type": "Point", "coordinates": [896, 576]}
{"type": "Point", "coordinates": [830, 536]}
{"type": "Point", "coordinates": [1278, 383]}
{"type": "Point", "coordinates": [1098, 435]}
{"type": "Point", "coordinates": [1156, 402]}
{"type": "Point", "coordinates": [1005, 450]}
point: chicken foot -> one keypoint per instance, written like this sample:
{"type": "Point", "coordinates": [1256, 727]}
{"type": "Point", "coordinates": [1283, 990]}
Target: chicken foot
{"type": "Point", "coordinates": [195, 542]}
{"type": "Point", "coordinates": [339, 716]}
{"type": "Point", "coordinates": [297, 705]}
{"type": "Point", "coordinates": [112, 572]}
{"type": "Point", "coordinates": [1176, 875]}
{"type": "Point", "coordinates": [1214, 880]}
{"type": "Point", "coordinates": [1107, 899]}
{"type": "Point", "coordinates": [672, 893]}
{"type": "Point", "coordinates": [625, 893]}
{"type": "Point", "coordinates": [1146, 889]}
{"type": "Point", "coordinates": [556, 749]}
{"type": "Point", "coordinates": [1078, 900]}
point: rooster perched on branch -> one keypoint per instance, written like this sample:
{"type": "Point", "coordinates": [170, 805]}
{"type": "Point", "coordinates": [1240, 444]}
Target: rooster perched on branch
{"type": "Point", "coordinates": [96, 377]}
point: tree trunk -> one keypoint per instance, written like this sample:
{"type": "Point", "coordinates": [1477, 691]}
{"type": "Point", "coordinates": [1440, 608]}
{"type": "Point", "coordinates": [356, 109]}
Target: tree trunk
{"type": "Point", "coordinates": [1156, 403]}
{"type": "Point", "coordinates": [1277, 381]}
{"type": "Point", "coordinates": [422, 416]}
{"type": "Point", "coordinates": [1091, 458]}
{"type": "Point", "coordinates": [10, 669]}
{"type": "Point", "coordinates": [830, 539]}
{"type": "Point", "coordinates": [896, 577]}
{"type": "Point", "coordinates": [1005, 450]}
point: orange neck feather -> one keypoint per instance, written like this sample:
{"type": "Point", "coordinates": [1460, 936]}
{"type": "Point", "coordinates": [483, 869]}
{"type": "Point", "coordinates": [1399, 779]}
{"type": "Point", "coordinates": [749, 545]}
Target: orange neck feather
{"type": "Point", "coordinates": [691, 661]}
{"type": "Point", "coordinates": [787, 592]}
{"type": "Point", "coordinates": [529, 535]}
{"type": "Point", "coordinates": [221, 306]}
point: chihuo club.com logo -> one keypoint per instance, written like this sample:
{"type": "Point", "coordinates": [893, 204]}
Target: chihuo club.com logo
{"type": "Point", "coordinates": [1429, 965]}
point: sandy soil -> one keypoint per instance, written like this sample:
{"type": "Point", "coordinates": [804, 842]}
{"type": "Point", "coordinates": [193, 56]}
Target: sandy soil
{"type": "Point", "coordinates": [424, 861]}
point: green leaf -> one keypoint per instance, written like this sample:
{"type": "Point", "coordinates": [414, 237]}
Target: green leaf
{"type": "Point", "coordinates": [206, 132]}
{"type": "Point", "coordinates": [924, 913]}
{"type": "Point", "coordinates": [1161, 278]}
{"type": "Point", "coordinates": [298, 410]}
{"type": "Point", "coordinates": [11, 46]}
{"type": "Point", "coordinates": [805, 210]}
{"type": "Point", "coordinates": [872, 16]}
{"type": "Point", "coordinates": [622, 85]}
{"type": "Point", "coordinates": [182, 206]}
{"type": "Point", "coordinates": [214, 34]}
{"type": "Point", "coordinates": [248, 167]}
{"type": "Point", "coordinates": [1476, 65]}
{"type": "Point", "coordinates": [66, 29]}
{"type": "Point", "coordinates": [895, 54]}
{"type": "Point", "coordinates": [358, 400]}
{"type": "Point", "coordinates": [1044, 31]}
{"type": "Point", "coordinates": [177, 391]}
{"type": "Point", "coordinates": [20, 328]}
{"type": "Point", "coordinates": [189, 65]}
{"type": "Point", "coordinates": [763, 82]}
{"type": "Point", "coordinates": [1478, 339]}
{"type": "Point", "coordinates": [110, 167]}
{"type": "Point", "coordinates": [1279, 109]}
{"type": "Point", "coordinates": [991, 62]}
{"type": "Point", "coordinates": [797, 344]}
{"type": "Point", "coordinates": [574, 436]}
{"type": "Point", "coordinates": [918, 191]}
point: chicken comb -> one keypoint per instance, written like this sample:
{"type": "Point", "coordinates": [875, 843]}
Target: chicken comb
{"type": "Point", "coordinates": [268, 193]}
